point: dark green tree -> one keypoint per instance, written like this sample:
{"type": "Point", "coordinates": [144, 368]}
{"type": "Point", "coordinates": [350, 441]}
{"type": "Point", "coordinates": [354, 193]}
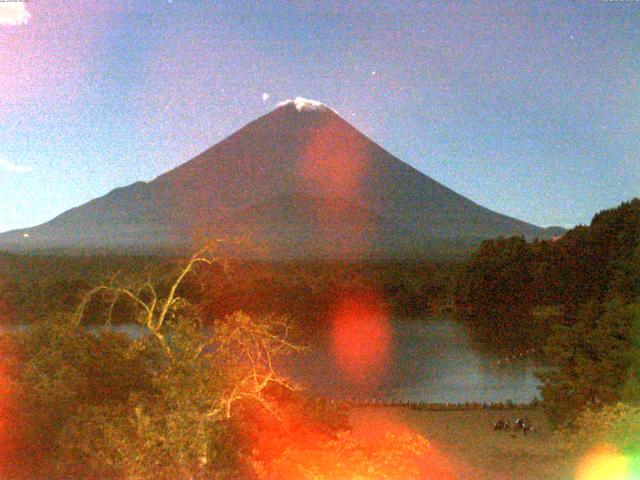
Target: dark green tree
{"type": "Point", "coordinates": [590, 360]}
{"type": "Point", "coordinates": [493, 294]}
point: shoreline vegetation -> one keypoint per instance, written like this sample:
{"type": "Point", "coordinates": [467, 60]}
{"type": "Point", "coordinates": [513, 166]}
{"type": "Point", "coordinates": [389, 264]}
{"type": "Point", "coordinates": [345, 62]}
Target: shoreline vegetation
{"type": "Point", "coordinates": [432, 406]}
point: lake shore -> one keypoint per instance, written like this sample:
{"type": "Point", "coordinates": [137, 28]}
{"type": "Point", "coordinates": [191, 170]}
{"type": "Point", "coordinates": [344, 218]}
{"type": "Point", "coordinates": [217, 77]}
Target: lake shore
{"type": "Point", "coordinates": [475, 451]}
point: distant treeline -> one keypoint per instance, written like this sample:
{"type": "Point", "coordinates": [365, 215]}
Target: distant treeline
{"type": "Point", "coordinates": [511, 292]}
{"type": "Point", "coordinates": [35, 287]}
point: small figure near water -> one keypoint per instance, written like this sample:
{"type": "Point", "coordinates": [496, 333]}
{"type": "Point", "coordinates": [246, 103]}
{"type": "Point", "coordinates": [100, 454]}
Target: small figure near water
{"type": "Point", "coordinates": [520, 424]}
{"type": "Point", "coordinates": [523, 424]}
{"type": "Point", "coordinates": [501, 425]}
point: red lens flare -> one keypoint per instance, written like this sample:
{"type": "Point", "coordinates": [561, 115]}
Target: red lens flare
{"type": "Point", "coordinates": [8, 428]}
{"type": "Point", "coordinates": [361, 337]}
{"type": "Point", "coordinates": [334, 160]}
{"type": "Point", "coordinates": [333, 166]}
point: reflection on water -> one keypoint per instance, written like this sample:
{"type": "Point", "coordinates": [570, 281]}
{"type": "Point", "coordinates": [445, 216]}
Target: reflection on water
{"type": "Point", "coordinates": [432, 361]}
{"type": "Point", "coordinates": [134, 330]}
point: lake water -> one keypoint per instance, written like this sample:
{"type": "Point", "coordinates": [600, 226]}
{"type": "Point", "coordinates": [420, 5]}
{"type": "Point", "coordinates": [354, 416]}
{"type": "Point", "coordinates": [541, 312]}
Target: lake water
{"type": "Point", "coordinates": [432, 360]}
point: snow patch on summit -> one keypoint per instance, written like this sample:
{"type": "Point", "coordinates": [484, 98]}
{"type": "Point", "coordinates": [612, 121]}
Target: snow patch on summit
{"type": "Point", "coordinates": [306, 105]}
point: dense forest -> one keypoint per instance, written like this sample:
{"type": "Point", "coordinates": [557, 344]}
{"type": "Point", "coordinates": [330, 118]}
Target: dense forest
{"type": "Point", "coordinates": [512, 292]}
{"type": "Point", "coordinates": [573, 299]}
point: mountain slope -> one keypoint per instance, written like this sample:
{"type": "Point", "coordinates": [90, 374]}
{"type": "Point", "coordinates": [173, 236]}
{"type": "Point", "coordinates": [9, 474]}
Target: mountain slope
{"type": "Point", "coordinates": [280, 174]}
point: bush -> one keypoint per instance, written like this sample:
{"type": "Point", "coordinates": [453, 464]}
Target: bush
{"type": "Point", "coordinates": [591, 360]}
{"type": "Point", "coordinates": [617, 425]}
{"type": "Point", "coordinates": [57, 372]}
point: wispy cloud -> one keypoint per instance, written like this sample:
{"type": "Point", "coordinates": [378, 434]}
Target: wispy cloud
{"type": "Point", "coordinates": [7, 166]}
{"type": "Point", "coordinates": [13, 13]}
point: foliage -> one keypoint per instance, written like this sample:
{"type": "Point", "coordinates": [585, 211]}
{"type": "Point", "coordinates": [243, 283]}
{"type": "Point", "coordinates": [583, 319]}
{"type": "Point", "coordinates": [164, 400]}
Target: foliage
{"type": "Point", "coordinates": [616, 424]}
{"type": "Point", "coordinates": [173, 432]}
{"type": "Point", "coordinates": [246, 350]}
{"type": "Point", "coordinates": [590, 261]}
{"type": "Point", "coordinates": [56, 371]}
{"type": "Point", "coordinates": [35, 286]}
{"type": "Point", "coordinates": [506, 279]}
{"type": "Point", "coordinates": [493, 295]}
{"type": "Point", "coordinates": [590, 360]}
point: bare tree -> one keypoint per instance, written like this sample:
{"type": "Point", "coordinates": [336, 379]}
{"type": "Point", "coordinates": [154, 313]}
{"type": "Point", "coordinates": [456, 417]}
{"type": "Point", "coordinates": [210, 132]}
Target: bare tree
{"type": "Point", "coordinates": [248, 348]}
{"type": "Point", "coordinates": [152, 310]}
{"type": "Point", "coordinates": [245, 346]}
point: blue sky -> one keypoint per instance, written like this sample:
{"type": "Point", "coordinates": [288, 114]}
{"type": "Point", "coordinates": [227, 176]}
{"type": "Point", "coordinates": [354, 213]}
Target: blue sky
{"type": "Point", "coordinates": [529, 108]}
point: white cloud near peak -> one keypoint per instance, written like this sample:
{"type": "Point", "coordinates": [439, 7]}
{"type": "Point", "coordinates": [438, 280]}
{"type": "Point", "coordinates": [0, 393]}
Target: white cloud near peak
{"type": "Point", "coordinates": [13, 13]}
{"type": "Point", "coordinates": [10, 167]}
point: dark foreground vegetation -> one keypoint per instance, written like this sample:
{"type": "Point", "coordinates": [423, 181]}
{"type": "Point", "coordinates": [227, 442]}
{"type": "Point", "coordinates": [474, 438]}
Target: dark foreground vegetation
{"type": "Point", "coordinates": [513, 291]}
{"type": "Point", "coordinates": [194, 398]}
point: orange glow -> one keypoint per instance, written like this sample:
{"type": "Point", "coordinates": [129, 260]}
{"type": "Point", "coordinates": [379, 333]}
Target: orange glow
{"type": "Point", "coordinates": [378, 447]}
{"type": "Point", "coordinates": [603, 463]}
{"type": "Point", "coordinates": [361, 336]}
{"type": "Point", "coordinates": [375, 426]}
{"type": "Point", "coordinates": [334, 160]}
{"type": "Point", "coordinates": [7, 442]}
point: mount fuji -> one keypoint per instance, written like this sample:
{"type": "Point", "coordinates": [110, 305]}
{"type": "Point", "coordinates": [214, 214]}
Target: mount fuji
{"type": "Point", "coordinates": [299, 181]}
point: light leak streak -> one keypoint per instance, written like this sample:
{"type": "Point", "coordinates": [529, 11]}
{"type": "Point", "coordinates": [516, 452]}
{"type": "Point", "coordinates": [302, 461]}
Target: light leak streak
{"type": "Point", "coordinates": [13, 13]}
{"type": "Point", "coordinates": [361, 338]}
{"type": "Point", "coordinates": [379, 446]}
{"type": "Point", "coordinates": [605, 462]}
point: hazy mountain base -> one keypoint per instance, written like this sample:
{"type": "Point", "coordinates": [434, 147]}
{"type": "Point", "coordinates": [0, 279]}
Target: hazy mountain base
{"type": "Point", "coordinates": [275, 248]}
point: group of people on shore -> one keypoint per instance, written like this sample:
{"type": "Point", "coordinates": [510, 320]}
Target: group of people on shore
{"type": "Point", "coordinates": [521, 424]}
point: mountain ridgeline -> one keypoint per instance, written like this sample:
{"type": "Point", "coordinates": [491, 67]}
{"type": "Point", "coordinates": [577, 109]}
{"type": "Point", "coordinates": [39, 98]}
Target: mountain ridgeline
{"type": "Point", "coordinates": [299, 181]}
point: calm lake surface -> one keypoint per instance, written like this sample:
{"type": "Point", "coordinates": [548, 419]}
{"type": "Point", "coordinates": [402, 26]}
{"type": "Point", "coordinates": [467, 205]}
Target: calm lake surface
{"type": "Point", "coordinates": [432, 360]}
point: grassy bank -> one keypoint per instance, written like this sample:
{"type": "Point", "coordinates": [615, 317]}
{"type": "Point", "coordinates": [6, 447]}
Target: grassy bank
{"type": "Point", "coordinates": [475, 451]}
